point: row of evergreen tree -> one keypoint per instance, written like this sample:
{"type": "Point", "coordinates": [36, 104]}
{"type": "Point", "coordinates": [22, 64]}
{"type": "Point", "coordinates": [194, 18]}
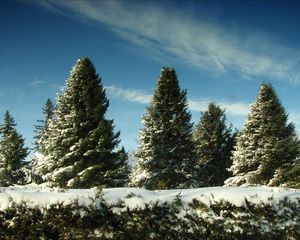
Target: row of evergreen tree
{"type": "Point", "coordinates": [77, 147]}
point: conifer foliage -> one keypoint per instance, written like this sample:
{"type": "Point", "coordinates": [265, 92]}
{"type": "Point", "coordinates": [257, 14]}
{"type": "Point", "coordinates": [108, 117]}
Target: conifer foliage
{"type": "Point", "coordinates": [81, 147]}
{"type": "Point", "coordinates": [214, 144]}
{"type": "Point", "coordinates": [12, 153]}
{"type": "Point", "coordinates": [39, 164]}
{"type": "Point", "coordinates": [42, 130]}
{"type": "Point", "coordinates": [267, 145]}
{"type": "Point", "coordinates": [166, 150]}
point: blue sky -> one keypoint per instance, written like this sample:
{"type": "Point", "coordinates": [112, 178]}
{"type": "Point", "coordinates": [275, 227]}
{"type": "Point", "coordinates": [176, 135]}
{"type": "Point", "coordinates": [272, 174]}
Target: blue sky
{"type": "Point", "coordinates": [222, 51]}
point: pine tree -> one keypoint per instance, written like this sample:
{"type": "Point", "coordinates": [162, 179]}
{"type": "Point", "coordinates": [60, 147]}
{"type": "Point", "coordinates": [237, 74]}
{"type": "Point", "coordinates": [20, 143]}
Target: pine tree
{"type": "Point", "coordinates": [81, 146]}
{"type": "Point", "coordinates": [266, 145]}
{"type": "Point", "coordinates": [166, 150]}
{"type": "Point", "coordinates": [214, 144]}
{"type": "Point", "coordinates": [39, 164]}
{"type": "Point", "coordinates": [12, 153]}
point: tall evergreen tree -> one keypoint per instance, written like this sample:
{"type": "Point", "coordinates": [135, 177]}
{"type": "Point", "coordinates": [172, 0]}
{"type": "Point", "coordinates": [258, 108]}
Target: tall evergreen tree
{"type": "Point", "coordinates": [214, 144]}
{"type": "Point", "coordinates": [166, 151]}
{"type": "Point", "coordinates": [266, 145]}
{"type": "Point", "coordinates": [82, 145]}
{"type": "Point", "coordinates": [12, 153]}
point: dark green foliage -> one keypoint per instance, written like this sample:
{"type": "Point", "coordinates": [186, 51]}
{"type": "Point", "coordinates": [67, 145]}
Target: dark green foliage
{"type": "Point", "coordinates": [42, 130]}
{"type": "Point", "coordinates": [120, 176]}
{"type": "Point", "coordinates": [81, 145]}
{"type": "Point", "coordinates": [214, 144]}
{"type": "Point", "coordinates": [12, 153]}
{"type": "Point", "coordinates": [156, 220]}
{"type": "Point", "coordinates": [38, 167]}
{"type": "Point", "coordinates": [267, 147]}
{"type": "Point", "coordinates": [166, 150]}
{"type": "Point", "coordinates": [288, 174]}
{"type": "Point", "coordinates": [57, 222]}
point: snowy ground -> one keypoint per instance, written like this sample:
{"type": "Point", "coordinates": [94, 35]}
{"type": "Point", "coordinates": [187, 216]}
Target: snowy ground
{"type": "Point", "coordinates": [134, 197]}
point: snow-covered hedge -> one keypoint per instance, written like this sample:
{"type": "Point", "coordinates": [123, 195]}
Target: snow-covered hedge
{"type": "Point", "coordinates": [128, 213]}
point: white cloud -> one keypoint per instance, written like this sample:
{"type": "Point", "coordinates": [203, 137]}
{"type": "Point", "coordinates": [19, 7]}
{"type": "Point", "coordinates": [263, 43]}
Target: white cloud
{"type": "Point", "coordinates": [37, 82]}
{"type": "Point", "coordinates": [236, 108]}
{"type": "Point", "coordinates": [132, 95]}
{"type": "Point", "coordinates": [59, 87]}
{"type": "Point", "coordinates": [232, 108]}
{"type": "Point", "coordinates": [295, 117]}
{"type": "Point", "coordinates": [170, 34]}
{"type": "Point", "coordinates": [196, 105]}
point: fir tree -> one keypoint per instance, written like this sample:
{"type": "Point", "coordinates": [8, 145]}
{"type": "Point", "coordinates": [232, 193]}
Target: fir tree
{"type": "Point", "coordinates": [81, 145]}
{"type": "Point", "coordinates": [214, 144]}
{"type": "Point", "coordinates": [166, 150]}
{"type": "Point", "coordinates": [292, 176]}
{"type": "Point", "coordinates": [12, 153]}
{"type": "Point", "coordinates": [120, 175]}
{"type": "Point", "coordinates": [266, 146]}
{"type": "Point", "coordinates": [287, 175]}
{"type": "Point", "coordinates": [42, 129]}
{"type": "Point", "coordinates": [39, 164]}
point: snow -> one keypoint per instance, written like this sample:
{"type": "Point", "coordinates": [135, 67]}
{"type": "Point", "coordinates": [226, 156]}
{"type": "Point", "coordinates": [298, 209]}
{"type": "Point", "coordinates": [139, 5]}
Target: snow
{"type": "Point", "coordinates": [42, 198]}
{"type": "Point", "coordinates": [138, 198]}
{"type": "Point", "coordinates": [59, 171]}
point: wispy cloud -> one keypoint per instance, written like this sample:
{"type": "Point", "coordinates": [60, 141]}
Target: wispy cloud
{"type": "Point", "coordinates": [169, 33]}
{"type": "Point", "coordinates": [58, 87]}
{"type": "Point", "coordinates": [37, 82]}
{"type": "Point", "coordinates": [295, 117]}
{"type": "Point", "coordinates": [132, 95]}
{"type": "Point", "coordinates": [196, 105]}
{"type": "Point", "coordinates": [232, 108]}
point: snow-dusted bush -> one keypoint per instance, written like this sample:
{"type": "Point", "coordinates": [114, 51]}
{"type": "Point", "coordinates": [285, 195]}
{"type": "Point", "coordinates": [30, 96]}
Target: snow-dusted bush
{"type": "Point", "coordinates": [211, 213]}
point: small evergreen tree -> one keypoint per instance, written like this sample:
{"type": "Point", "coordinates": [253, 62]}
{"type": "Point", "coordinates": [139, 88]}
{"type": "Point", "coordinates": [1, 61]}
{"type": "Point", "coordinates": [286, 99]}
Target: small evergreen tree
{"type": "Point", "coordinates": [214, 144]}
{"type": "Point", "coordinates": [42, 129]}
{"type": "Point", "coordinates": [12, 153]}
{"type": "Point", "coordinates": [39, 164]}
{"type": "Point", "coordinates": [81, 145]}
{"type": "Point", "coordinates": [166, 151]}
{"type": "Point", "coordinates": [267, 145]}
{"type": "Point", "coordinates": [120, 175]}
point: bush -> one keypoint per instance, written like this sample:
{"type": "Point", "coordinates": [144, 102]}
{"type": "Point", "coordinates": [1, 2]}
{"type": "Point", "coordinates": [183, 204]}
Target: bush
{"type": "Point", "coordinates": [155, 220]}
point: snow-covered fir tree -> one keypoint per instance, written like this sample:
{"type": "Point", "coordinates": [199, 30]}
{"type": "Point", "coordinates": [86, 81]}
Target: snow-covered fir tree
{"type": "Point", "coordinates": [81, 147]}
{"type": "Point", "coordinates": [165, 155]}
{"type": "Point", "coordinates": [39, 164]}
{"type": "Point", "coordinates": [12, 153]}
{"type": "Point", "coordinates": [267, 146]}
{"type": "Point", "coordinates": [214, 143]}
